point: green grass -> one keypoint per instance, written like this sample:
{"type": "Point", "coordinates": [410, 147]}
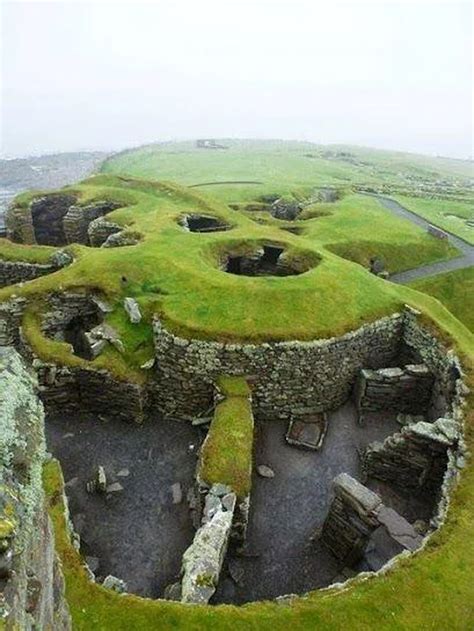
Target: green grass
{"type": "Point", "coordinates": [175, 273]}
{"type": "Point", "coordinates": [449, 215]}
{"type": "Point", "coordinates": [282, 166]}
{"type": "Point", "coordinates": [455, 290]}
{"type": "Point", "coordinates": [25, 253]}
{"type": "Point", "coordinates": [232, 425]}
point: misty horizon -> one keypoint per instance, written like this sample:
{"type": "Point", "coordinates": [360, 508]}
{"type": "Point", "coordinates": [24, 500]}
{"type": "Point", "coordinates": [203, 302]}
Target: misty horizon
{"type": "Point", "coordinates": [392, 76]}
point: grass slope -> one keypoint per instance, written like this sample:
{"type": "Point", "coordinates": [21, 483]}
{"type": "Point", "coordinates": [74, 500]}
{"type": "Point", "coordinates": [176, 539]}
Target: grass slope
{"type": "Point", "coordinates": [455, 290]}
{"type": "Point", "coordinates": [281, 166]}
{"type": "Point", "coordinates": [175, 273]}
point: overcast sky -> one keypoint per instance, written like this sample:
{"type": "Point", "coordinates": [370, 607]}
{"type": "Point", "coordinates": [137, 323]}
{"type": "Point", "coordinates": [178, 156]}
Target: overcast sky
{"type": "Point", "coordinates": [109, 75]}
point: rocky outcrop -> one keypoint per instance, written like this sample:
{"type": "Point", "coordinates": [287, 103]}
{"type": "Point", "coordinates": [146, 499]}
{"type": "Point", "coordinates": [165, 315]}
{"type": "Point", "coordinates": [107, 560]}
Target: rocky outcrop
{"type": "Point", "coordinates": [31, 581]}
{"type": "Point", "coordinates": [406, 389]}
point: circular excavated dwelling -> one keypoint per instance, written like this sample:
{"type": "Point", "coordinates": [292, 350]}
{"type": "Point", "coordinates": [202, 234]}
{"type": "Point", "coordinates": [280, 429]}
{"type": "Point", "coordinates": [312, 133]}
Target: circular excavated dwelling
{"type": "Point", "coordinates": [269, 259]}
{"type": "Point", "coordinates": [203, 223]}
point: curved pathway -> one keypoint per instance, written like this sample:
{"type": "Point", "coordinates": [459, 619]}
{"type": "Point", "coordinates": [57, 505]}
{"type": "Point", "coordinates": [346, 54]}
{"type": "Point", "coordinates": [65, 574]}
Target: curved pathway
{"type": "Point", "coordinates": [465, 259]}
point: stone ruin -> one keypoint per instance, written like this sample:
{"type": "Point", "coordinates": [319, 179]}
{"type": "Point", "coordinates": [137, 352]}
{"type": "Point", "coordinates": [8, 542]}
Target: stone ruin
{"type": "Point", "coordinates": [266, 260]}
{"type": "Point", "coordinates": [392, 365]}
{"type": "Point", "coordinates": [58, 219]}
{"type": "Point", "coordinates": [356, 518]}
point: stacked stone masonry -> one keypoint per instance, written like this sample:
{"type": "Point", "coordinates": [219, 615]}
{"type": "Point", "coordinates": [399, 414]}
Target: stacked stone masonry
{"type": "Point", "coordinates": [355, 514]}
{"type": "Point", "coordinates": [414, 459]}
{"type": "Point", "coordinates": [12, 272]}
{"type": "Point", "coordinates": [406, 389]}
{"type": "Point", "coordinates": [289, 379]}
{"type": "Point", "coordinates": [57, 219]}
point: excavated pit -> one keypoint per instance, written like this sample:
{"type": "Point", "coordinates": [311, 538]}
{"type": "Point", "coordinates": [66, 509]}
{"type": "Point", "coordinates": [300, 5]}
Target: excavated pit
{"type": "Point", "coordinates": [56, 220]}
{"type": "Point", "coordinates": [269, 260]}
{"type": "Point", "coordinates": [75, 334]}
{"type": "Point", "coordinates": [151, 467]}
{"type": "Point", "coordinates": [139, 533]}
{"type": "Point", "coordinates": [203, 223]}
{"type": "Point", "coordinates": [71, 318]}
{"type": "Point", "coordinates": [47, 215]}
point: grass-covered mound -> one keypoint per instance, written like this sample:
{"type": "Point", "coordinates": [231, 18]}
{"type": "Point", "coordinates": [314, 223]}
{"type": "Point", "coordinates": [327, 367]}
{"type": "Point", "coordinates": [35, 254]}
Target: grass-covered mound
{"type": "Point", "coordinates": [278, 167]}
{"type": "Point", "coordinates": [176, 274]}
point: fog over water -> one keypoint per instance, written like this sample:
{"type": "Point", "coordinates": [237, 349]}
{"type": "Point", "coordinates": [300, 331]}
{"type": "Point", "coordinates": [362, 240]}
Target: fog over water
{"type": "Point", "coordinates": [108, 75]}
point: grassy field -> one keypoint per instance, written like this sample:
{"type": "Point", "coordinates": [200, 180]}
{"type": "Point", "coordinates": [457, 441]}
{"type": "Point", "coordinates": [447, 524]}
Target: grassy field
{"type": "Point", "coordinates": [455, 290]}
{"type": "Point", "coordinates": [451, 216]}
{"type": "Point", "coordinates": [281, 166]}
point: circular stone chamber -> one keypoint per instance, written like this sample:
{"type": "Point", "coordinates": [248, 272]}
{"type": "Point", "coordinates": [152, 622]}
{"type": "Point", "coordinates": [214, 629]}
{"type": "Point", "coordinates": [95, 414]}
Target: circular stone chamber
{"type": "Point", "coordinates": [269, 259]}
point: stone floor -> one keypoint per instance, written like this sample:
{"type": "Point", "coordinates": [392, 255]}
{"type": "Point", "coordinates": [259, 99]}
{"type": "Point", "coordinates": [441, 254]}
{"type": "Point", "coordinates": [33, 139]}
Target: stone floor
{"type": "Point", "coordinates": [287, 509]}
{"type": "Point", "coordinates": [138, 534]}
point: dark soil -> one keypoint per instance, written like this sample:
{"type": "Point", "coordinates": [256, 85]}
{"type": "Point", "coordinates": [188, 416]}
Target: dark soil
{"type": "Point", "coordinates": [138, 534]}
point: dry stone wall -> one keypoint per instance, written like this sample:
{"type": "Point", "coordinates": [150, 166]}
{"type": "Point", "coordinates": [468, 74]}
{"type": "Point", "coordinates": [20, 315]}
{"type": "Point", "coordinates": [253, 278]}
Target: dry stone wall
{"type": "Point", "coordinates": [406, 389]}
{"type": "Point", "coordinates": [72, 389]}
{"type": "Point", "coordinates": [443, 364]}
{"type": "Point", "coordinates": [65, 389]}
{"type": "Point", "coordinates": [414, 459]}
{"type": "Point", "coordinates": [355, 514]}
{"type": "Point", "coordinates": [56, 219]}
{"type": "Point", "coordinates": [31, 582]}
{"type": "Point", "coordinates": [11, 314]}
{"type": "Point", "coordinates": [78, 219]}
{"type": "Point", "coordinates": [12, 272]}
{"type": "Point", "coordinates": [289, 379]}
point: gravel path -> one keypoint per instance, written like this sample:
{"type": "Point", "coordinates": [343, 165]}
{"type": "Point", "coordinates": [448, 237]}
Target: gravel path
{"type": "Point", "coordinates": [466, 258]}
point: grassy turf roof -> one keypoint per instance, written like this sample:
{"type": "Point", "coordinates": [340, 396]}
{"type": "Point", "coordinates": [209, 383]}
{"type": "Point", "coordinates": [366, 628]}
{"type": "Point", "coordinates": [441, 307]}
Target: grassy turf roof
{"type": "Point", "coordinates": [175, 273]}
